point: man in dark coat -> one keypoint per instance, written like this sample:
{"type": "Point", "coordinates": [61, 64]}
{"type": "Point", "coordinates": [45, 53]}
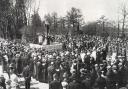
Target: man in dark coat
{"type": "Point", "coordinates": [39, 70]}
{"type": "Point", "coordinates": [51, 71]}
{"type": "Point", "coordinates": [55, 84]}
{"type": "Point", "coordinates": [87, 61]}
{"type": "Point", "coordinates": [98, 57]}
{"type": "Point", "coordinates": [75, 84]}
{"type": "Point", "coordinates": [2, 82]}
{"type": "Point", "coordinates": [100, 82]}
{"type": "Point", "coordinates": [110, 80]}
{"type": "Point", "coordinates": [4, 63]}
{"type": "Point", "coordinates": [44, 71]}
{"type": "Point", "coordinates": [87, 82]}
{"type": "Point", "coordinates": [27, 75]}
{"type": "Point", "coordinates": [18, 64]}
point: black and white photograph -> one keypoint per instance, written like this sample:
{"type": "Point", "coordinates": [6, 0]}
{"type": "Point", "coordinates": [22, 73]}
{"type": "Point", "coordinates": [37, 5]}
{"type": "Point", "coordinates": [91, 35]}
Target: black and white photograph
{"type": "Point", "coordinates": [63, 44]}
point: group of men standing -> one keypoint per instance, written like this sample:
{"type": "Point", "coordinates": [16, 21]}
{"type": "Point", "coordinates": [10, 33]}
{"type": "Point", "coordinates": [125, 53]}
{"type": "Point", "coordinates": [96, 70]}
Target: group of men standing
{"type": "Point", "coordinates": [85, 62]}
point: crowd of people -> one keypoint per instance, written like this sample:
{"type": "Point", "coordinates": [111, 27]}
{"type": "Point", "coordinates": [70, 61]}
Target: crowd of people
{"type": "Point", "coordinates": [84, 62]}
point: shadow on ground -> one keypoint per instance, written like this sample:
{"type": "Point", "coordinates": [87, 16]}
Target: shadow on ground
{"type": "Point", "coordinates": [22, 83]}
{"type": "Point", "coordinates": [31, 88]}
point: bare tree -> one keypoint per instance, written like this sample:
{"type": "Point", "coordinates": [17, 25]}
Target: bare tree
{"type": "Point", "coordinates": [55, 20]}
{"type": "Point", "coordinates": [74, 18]}
{"type": "Point", "coordinates": [29, 10]}
{"type": "Point", "coordinates": [103, 21]}
{"type": "Point", "coordinates": [48, 18]}
{"type": "Point", "coordinates": [124, 17]}
{"type": "Point", "coordinates": [62, 24]}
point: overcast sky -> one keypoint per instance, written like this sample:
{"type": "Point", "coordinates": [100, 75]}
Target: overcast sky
{"type": "Point", "coordinates": [91, 9]}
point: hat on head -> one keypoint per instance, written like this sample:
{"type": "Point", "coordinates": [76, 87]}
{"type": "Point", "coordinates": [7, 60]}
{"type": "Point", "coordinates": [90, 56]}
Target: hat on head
{"type": "Point", "coordinates": [52, 63]}
{"type": "Point", "coordinates": [101, 64]}
{"type": "Point", "coordinates": [74, 77]}
{"type": "Point", "coordinates": [96, 65]}
{"type": "Point", "coordinates": [120, 64]}
{"type": "Point", "coordinates": [88, 53]}
{"type": "Point", "coordinates": [11, 66]}
{"type": "Point", "coordinates": [83, 71]}
{"type": "Point", "coordinates": [114, 67]}
{"type": "Point", "coordinates": [67, 53]}
{"type": "Point", "coordinates": [50, 56]}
